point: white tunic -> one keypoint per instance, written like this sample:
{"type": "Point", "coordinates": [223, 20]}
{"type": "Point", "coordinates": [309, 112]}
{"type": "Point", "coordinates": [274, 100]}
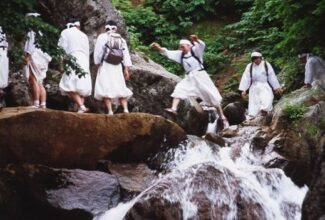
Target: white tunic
{"type": "Point", "coordinates": [197, 82]}
{"type": "Point", "coordinates": [315, 70]}
{"type": "Point", "coordinates": [38, 64]}
{"type": "Point", "coordinates": [260, 92]}
{"type": "Point", "coordinates": [110, 81]}
{"type": "Point", "coordinates": [76, 43]}
{"type": "Point", "coordinates": [4, 62]}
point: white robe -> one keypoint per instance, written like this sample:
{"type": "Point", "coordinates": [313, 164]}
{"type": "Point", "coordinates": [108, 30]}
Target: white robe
{"type": "Point", "coordinates": [260, 92]}
{"type": "Point", "coordinates": [197, 83]}
{"type": "Point", "coordinates": [110, 81]}
{"type": "Point", "coordinates": [38, 64]}
{"type": "Point", "coordinates": [4, 68]}
{"type": "Point", "coordinates": [76, 43]}
{"type": "Point", "coordinates": [315, 71]}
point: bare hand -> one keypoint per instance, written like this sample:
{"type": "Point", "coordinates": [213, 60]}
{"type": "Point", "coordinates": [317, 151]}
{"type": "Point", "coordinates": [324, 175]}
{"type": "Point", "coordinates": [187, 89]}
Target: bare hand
{"type": "Point", "coordinates": [194, 38]}
{"type": "Point", "coordinates": [155, 45]}
{"type": "Point", "coordinates": [278, 91]}
{"type": "Point", "coordinates": [27, 58]}
{"type": "Point", "coordinates": [126, 75]}
{"type": "Point", "coordinates": [243, 94]}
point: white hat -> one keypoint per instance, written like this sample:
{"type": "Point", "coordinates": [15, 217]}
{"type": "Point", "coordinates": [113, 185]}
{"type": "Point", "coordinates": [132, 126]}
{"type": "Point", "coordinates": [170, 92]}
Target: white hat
{"type": "Point", "coordinates": [184, 41]}
{"type": "Point", "coordinates": [76, 23]}
{"type": "Point", "coordinates": [256, 54]}
{"type": "Point", "coordinates": [33, 14]}
{"type": "Point", "coordinates": [302, 55]}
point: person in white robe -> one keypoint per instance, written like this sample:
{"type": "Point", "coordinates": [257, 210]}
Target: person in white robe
{"type": "Point", "coordinates": [76, 43]}
{"type": "Point", "coordinates": [197, 82]}
{"type": "Point", "coordinates": [314, 70]}
{"type": "Point", "coordinates": [260, 79]}
{"type": "Point", "coordinates": [4, 64]}
{"type": "Point", "coordinates": [110, 86]}
{"type": "Point", "coordinates": [36, 67]}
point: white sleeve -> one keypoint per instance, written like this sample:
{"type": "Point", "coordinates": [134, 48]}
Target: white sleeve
{"type": "Point", "coordinates": [198, 49]}
{"type": "Point", "coordinates": [126, 55]}
{"type": "Point", "coordinates": [245, 81]}
{"type": "Point", "coordinates": [30, 42]}
{"type": "Point", "coordinates": [63, 42]}
{"type": "Point", "coordinates": [175, 55]}
{"type": "Point", "coordinates": [309, 71]}
{"type": "Point", "coordinates": [273, 80]}
{"type": "Point", "coordinates": [99, 49]}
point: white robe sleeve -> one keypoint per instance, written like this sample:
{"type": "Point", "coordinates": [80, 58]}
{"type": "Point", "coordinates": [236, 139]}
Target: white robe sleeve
{"type": "Point", "coordinates": [30, 43]}
{"type": "Point", "coordinates": [63, 42]}
{"type": "Point", "coordinates": [245, 81]}
{"type": "Point", "coordinates": [126, 55]}
{"type": "Point", "coordinates": [309, 71]}
{"type": "Point", "coordinates": [198, 49]}
{"type": "Point", "coordinates": [99, 49]}
{"type": "Point", "coordinates": [175, 55]}
{"type": "Point", "coordinates": [272, 77]}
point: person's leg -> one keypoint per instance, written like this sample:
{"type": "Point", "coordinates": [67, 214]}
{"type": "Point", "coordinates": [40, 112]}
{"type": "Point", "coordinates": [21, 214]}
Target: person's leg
{"type": "Point", "coordinates": [42, 95]}
{"type": "Point", "coordinates": [82, 99]}
{"type": "Point", "coordinates": [124, 103]}
{"type": "Point", "coordinates": [108, 104]}
{"type": "Point", "coordinates": [35, 89]}
{"type": "Point", "coordinates": [173, 109]}
{"type": "Point", "coordinates": [78, 100]}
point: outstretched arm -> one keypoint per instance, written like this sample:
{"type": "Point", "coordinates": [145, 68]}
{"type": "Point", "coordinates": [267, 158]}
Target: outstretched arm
{"type": "Point", "coordinates": [171, 54]}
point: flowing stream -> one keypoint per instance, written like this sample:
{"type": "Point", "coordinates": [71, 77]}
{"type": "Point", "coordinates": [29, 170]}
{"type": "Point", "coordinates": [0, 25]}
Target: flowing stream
{"type": "Point", "coordinates": [273, 195]}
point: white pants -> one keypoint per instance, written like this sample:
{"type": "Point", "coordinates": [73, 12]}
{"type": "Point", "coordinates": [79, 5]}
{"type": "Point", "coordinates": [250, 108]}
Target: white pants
{"type": "Point", "coordinates": [4, 68]}
{"type": "Point", "coordinates": [198, 84]}
{"type": "Point", "coordinates": [72, 83]}
{"type": "Point", "coordinates": [260, 98]}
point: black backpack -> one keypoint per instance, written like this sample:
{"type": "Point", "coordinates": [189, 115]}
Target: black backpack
{"type": "Point", "coordinates": [114, 50]}
{"type": "Point", "coordinates": [267, 74]}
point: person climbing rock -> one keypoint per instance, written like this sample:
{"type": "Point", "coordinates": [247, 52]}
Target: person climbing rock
{"type": "Point", "coordinates": [4, 66]}
{"type": "Point", "coordinates": [197, 82]}
{"type": "Point", "coordinates": [260, 79]}
{"type": "Point", "coordinates": [314, 70]}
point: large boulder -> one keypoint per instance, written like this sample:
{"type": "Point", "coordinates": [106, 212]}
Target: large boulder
{"type": "Point", "coordinates": [72, 140]}
{"type": "Point", "coordinates": [314, 203]}
{"type": "Point", "coordinates": [40, 192]}
{"type": "Point", "coordinates": [299, 141]}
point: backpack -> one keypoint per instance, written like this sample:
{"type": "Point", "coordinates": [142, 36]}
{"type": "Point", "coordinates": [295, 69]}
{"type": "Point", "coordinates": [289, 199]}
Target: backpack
{"type": "Point", "coordinates": [193, 55]}
{"type": "Point", "coordinates": [114, 49]}
{"type": "Point", "coordinates": [267, 74]}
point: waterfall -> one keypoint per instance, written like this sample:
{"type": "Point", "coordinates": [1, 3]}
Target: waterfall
{"type": "Point", "coordinates": [268, 193]}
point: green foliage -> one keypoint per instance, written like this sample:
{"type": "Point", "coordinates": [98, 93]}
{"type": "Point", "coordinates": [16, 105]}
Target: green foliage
{"type": "Point", "coordinates": [294, 112]}
{"type": "Point", "coordinates": [313, 130]}
{"type": "Point", "coordinates": [16, 25]}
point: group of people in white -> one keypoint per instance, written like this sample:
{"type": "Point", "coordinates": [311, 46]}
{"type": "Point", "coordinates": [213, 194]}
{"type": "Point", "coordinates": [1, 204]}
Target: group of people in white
{"type": "Point", "coordinates": [112, 60]}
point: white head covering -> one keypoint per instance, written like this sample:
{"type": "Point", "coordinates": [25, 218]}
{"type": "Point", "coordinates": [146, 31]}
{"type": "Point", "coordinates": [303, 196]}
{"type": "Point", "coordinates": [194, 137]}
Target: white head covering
{"type": "Point", "coordinates": [110, 28]}
{"type": "Point", "coordinates": [256, 54]}
{"type": "Point", "coordinates": [76, 23]}
{"type": "Point", "coordinates": [33, 14]}
{"type": "Point", "coordinates": [184, 41]}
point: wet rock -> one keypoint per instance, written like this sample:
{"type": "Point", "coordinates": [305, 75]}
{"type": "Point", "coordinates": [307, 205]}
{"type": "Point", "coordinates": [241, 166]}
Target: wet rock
{"type": "Point", "coordinates": [46, 193]}
{"type": "Point", "coordinates": [133, 178]}
{"type": "Point", "coordinates": [169, 199]}
{"type": "Point", "coordinates": [72, 140]}
{"type": "Point", "coordinates": [235, 113]}
{"type": "Point", "coordinates": [230, 132]}
{"type": "Point", "coordinates": [18, 93]}
{"type": "Point", "coordinates": [215, 139]}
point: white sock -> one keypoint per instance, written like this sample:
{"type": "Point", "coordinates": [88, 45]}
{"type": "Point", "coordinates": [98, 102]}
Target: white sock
{"type": "Point", "coordinates": [36, 103]}
{"type": "Point", "coordinates": [126, 111]}
{"type": "Point", "coordinates": [43, 103]}
{"type": "Point", "coordinates": [82, 107]}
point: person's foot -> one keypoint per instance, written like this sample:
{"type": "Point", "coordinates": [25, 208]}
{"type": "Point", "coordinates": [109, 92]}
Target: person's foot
{"type": "Point", "coordinates": [110, 113]}
{"type": "Point", "coordinates": [171, 111]}
{"type": "Point", "coordinates": [83, 110]}
{"type": "Point", "coordinates": [34, 106]}
{"type": "Point", "coordinates": [126, 111]}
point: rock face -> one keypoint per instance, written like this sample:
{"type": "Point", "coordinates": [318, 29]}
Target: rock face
{"type": "Point", "coordinates": [169, 199]}
{"type": "Point", "coordinates": [300, 141]}
{"type": "Point", "coordinates": [314, 203]}
{"type": "Point", "coordinates": [71, 140]}
{"type": "Point", "coordinates": [92, 15]}
{"type": "Point", "coordinates": [45, 193]}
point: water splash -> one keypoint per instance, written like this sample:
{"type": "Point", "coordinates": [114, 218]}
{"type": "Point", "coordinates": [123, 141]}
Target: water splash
{"type": "Point", "coordinates": [271, 194]}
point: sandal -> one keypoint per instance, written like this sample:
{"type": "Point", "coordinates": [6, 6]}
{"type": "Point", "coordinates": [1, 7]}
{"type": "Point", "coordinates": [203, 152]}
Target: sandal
{"type": "Point", "coordinates": [171, 111]}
